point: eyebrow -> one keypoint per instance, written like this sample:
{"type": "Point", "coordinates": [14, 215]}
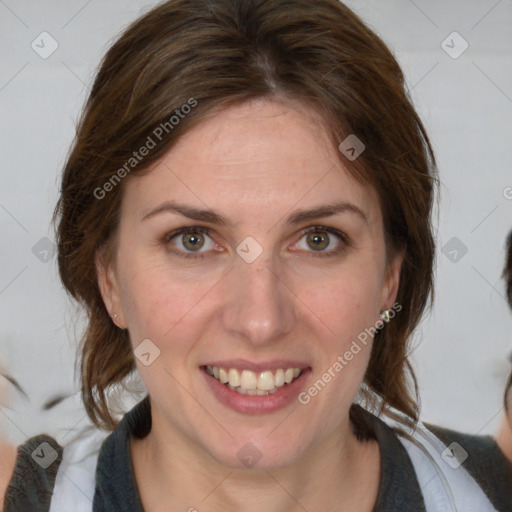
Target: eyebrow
{"type": "Point", "coordinates": [212, 217]}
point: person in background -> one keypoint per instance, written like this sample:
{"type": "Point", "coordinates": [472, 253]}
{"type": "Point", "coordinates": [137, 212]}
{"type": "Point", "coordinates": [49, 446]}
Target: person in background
{"type": "Point", "coordinates": [504, 435]}
{"type": "Point", "coordinates": [8, 451]}
{"type": "Point", "coordinates": [246, 217]}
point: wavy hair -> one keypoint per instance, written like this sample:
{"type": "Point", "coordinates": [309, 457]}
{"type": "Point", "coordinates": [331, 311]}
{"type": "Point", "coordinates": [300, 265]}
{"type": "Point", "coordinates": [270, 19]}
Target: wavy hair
{"type": "Point", "coordinates": [221, 53]}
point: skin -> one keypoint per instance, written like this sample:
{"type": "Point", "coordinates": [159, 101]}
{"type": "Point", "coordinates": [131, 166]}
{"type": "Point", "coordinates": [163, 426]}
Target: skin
{"type": "Point", "coordinates": [8, 452]}
{"type": "Point", "coordinates": [504, 435]}
{"type": "Point", "coordinates": [7, 461]}
{"type": "Point", "coordinates": [255, 164]}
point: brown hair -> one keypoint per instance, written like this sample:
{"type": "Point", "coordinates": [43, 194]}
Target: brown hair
{"type": "Point", "coordinates": [223, 52]}
{"type": "Point", "coordinates": [507, 269]}
{"type": "Point", "coordinates": [507, 275]}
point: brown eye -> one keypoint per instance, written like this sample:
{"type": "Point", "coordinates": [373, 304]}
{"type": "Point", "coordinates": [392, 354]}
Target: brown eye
{"type": "Point", "coordinates": [323, 241]}
{"type": "Point", "coordinates": [317, 240]}
{"type": "Point", "coordinates": [193, 241]}
{"type": "Point", "coordinates": [190, 241]}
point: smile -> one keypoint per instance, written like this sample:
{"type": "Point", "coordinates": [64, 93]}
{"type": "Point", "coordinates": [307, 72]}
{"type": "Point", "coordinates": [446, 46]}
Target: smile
{"type": "Point", "coordinates": [247, 382]}
{"type": "Point", "coordinates": [251, 388]}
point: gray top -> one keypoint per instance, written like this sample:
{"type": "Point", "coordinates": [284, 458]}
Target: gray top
{"type": "Point", "coordinates": [31, 486]}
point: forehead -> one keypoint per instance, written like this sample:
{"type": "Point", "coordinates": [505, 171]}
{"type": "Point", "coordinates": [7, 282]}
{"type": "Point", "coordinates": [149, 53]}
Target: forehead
{"type": "Point", "coordinates": [260, 157]}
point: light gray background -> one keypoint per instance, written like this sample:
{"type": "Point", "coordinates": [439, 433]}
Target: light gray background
{"type": "Point", "coordinates": [466, 104]}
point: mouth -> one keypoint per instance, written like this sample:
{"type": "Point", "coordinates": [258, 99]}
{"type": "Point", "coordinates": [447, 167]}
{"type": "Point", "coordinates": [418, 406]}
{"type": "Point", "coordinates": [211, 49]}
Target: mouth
{"type": "Point", "coordinates": [247, 382]}
{"type": "Point", "coordinates": [254, 389]}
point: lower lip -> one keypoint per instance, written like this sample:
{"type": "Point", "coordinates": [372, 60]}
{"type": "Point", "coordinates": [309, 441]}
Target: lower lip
{"type": "Point", "coordinates": [256, 404]}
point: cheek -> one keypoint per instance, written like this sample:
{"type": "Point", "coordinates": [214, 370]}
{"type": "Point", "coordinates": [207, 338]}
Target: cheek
{"type": "Point", "coordinates": [345, 309]}
{"type": "Point", "coordinates": [157, 300]}
{"type": "Point", "coordinates": [347, 301]}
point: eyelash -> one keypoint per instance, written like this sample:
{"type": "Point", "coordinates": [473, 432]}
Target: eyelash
{"type": "Point", "coordinates": [344, 240]}
{"type": "Point", "coordinates": [189, 255]}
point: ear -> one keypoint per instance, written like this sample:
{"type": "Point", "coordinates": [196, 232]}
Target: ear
{"type": "Point", "coordinates": [392, 280]}
{"type": "Point", "coordinates": [109, 287]}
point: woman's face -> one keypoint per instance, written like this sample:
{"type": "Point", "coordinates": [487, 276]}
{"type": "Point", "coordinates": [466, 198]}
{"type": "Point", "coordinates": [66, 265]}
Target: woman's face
{"type": "Point", "coordinates": [282, 266]}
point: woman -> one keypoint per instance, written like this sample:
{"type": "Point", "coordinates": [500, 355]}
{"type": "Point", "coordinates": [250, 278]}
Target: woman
{"type": "Point", "coordinates": [245, 216]}
{"type": "Point", "coordinates": [504, 437]}
{"type": "Point", "coordinates": [7, 450]}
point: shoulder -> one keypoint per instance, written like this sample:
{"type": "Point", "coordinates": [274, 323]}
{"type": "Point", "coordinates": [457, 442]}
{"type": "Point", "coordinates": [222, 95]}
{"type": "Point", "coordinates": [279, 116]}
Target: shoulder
{"type": "Point", "coordinates": [47, 476]}
{"type": "Point", "coordinates": [8, 454]}
{"type": "Point", "coordinates": [454, 470]}
{"type": "Point", "coordinates": [481, 453]}
{"type": "Point", "coordinates": [75, 482]}
{"type": "Point", "coordinates": [504, 437]}
{"type": "Point", "coordinates": [33, 474]}
{"type": "Point", "coordinates": [482, 458]}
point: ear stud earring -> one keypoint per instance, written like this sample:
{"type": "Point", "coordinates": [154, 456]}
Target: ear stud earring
{"type": "Point", "coordinates": [385, 316]}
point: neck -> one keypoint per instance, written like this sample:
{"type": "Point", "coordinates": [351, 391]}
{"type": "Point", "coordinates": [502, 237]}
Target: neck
{"type": "Point", "coordinates": [339, 473]}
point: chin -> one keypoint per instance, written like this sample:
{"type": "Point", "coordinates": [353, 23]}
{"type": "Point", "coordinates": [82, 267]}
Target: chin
{"type": "Point", "coordinates": [263, 452]}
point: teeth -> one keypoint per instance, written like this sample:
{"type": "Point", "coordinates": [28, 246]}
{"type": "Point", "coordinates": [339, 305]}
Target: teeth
{"type": "Point", "coordinates": [223, 375]}
{"type": "Point", "coordinates": [279, 378]}
{"type": "Point", "coordinates": [265, 381]}
{"type": "Point", "coordinates": [234, 377]}
{"type": "Point", "coordinates": [248, 382]}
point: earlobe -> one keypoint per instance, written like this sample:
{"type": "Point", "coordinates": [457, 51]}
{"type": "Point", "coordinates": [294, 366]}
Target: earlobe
{"type": "Point", "coordinates": [109, 289]}
{"type": "Point", "coordinates": [392, 281]}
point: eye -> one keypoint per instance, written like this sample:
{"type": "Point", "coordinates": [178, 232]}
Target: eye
{"type": "Point", "coordinates": [322, 240]}
{"type": "Point", "coordinates": [190, 240]}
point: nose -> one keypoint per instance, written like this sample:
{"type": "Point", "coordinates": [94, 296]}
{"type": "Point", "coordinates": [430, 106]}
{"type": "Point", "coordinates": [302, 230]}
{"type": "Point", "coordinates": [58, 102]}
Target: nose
{"type": "Point", "coordinates": [258, 307]}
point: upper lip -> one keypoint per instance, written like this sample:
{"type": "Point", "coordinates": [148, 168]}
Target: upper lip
{"type": "Point", "coordinates": [243, 364]}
